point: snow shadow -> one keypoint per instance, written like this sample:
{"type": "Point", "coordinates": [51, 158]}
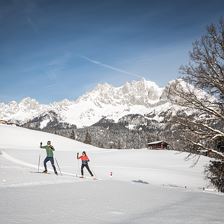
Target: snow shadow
{"type": "Point", "coordinates": [140, 182]}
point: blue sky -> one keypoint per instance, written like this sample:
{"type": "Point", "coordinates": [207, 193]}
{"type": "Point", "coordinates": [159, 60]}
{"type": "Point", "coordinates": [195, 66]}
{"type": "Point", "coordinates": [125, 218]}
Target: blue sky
{"type": "Point", "coordinates": [56, 49]}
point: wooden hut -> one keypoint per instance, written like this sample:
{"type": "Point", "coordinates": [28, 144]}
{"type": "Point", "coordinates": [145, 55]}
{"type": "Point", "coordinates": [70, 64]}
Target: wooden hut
{"type": "Point", "coordinates": [158, 145]}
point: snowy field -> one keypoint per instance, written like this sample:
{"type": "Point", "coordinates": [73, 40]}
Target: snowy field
{"type": "Point", "coordinates": [145, 186]}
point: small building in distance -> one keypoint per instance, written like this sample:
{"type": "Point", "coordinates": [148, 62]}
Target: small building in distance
{"type": "Point", "coordinates": [158, 145]}
{"type": "Point", "coordinates": [3, 122]}
{"type": "Point", "coordinates": [7, 122]}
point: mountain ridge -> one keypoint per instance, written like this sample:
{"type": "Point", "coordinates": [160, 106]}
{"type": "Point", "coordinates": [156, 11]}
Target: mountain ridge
{"type": "Point", "coordinates": [128, 116]}
{"type": "Point", "coordinates": [138, 96]}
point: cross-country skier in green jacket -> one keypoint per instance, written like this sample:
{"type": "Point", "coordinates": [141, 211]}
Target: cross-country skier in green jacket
{"type": "Point", "coordinates": [50, 156]}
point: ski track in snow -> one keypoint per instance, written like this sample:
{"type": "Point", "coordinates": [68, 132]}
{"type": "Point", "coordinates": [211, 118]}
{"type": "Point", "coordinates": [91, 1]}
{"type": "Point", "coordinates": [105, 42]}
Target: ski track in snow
{"type": "Point", "coordinates": [139, 181]}
{"type": "Point", "coordinates": [135, 194]}
{"type": "Point", "coordinates": [39, 183]}
{"type": "Point", "coordinates": [160, 168]}
{"type": "Point", "coordinates": [20, 162]}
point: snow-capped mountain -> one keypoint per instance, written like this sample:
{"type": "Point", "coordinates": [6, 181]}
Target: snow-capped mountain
{"type": "Point", "coordinates": [145, 93]}
{"type": "Point", "coordinates": [128, 116]}
{"type": "Point", "coordinates": [136, 97]}
{"type": "Point", "coordinates": [26, 109]}
{"type": "Point", "coordinates": [47, 121]}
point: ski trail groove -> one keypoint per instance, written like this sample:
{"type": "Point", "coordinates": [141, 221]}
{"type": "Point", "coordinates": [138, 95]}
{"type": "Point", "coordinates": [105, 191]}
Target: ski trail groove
{"type": "Point", "coordinates": [20, 162]}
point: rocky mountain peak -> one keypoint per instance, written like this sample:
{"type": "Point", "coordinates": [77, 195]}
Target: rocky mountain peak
{"type": "Point", "coordinates": [140, 92]}
{"type": "Point", "coordinates": [134, 97]}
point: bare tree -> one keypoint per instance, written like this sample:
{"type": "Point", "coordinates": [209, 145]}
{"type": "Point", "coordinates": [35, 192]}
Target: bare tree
{"type": "Point", "coordinates": [201, 95]}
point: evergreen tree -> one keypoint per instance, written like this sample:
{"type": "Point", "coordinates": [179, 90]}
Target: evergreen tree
{"type": "Point", "coordinates": [72, 136]}
{"type": "Point", "coordinates": [87, 138]}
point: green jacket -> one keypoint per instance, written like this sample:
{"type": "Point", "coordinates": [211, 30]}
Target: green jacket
{"type": "Point", "coordinates": [49, 150]}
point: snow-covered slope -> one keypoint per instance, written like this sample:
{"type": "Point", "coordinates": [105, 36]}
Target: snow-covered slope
{"type": "Point", "coordinates": [136, 97]}
{"type": "Point", "coordinates": [13, 137]}
{"type": "Point", "coordinates": [145, 186]}
{"type": "Point", "coordinates": [157, 167]}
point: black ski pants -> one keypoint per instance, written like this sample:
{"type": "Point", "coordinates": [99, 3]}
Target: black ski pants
{"type": "Point", "coordinates": [87, 167]}
{"type": "Point", "coordinates": [51, 159]}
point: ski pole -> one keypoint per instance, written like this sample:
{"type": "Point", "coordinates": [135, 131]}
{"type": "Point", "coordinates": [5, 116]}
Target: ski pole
{"type": "Point", "coordinates": [94, 173]}
{"type": "Point", "coordinates": [39, 157]}
{"type": "Point", "coordinates": [77, 168]}
{"type": "Point", "coordinates": [39, 163]}
{"type": "Point", "coordinates": [58, 166]}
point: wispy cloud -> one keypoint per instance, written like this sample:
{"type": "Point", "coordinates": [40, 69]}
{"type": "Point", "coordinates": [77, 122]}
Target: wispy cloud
{"type": "Point", "coordinates": [32, 25]}
{"type": "Point", "coordinates": [111, 67]}
{"type": "Point", "coordinates": [60, 60]}
{"type": "Point", "coordinates": [56, 65]}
